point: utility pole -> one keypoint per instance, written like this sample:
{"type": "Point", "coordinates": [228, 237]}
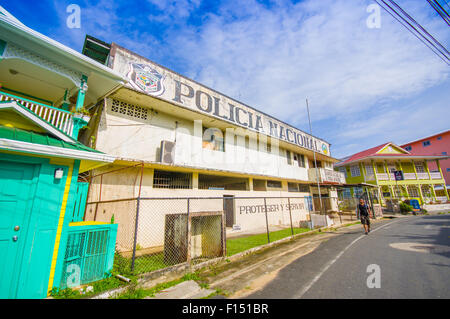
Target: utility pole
{"type": "Point", "coordinates": [315, 164]}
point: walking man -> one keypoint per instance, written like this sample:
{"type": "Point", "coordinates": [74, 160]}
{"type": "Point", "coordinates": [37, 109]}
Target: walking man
{"type": "Point", "coordinates": [364, 212]}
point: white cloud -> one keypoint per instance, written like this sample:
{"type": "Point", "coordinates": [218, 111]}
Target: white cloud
{"type": "Point", "coordinates": [274, 56]}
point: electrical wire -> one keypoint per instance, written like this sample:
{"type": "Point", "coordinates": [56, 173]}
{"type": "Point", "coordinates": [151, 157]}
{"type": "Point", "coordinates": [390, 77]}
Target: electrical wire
{"type": "Point", "coordinates": [432, 44]}
{"type": "Point", "coordinates": [441, 11]}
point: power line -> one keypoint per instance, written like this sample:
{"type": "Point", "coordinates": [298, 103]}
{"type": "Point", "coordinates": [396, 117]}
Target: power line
{"type": "Point", "coordinates": [441, 11]}
{"type": "Point", "coordinates": [419, 32]}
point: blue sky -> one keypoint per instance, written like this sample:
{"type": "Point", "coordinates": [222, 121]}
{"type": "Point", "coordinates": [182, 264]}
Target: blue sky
{"type": "Point", "coordinates": [365, 86]}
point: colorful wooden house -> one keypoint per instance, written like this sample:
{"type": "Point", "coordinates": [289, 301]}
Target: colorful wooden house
{"type": "Point", "coordinates": [397, 173]}
{"type": "Point", "coordinates": [44, 242]}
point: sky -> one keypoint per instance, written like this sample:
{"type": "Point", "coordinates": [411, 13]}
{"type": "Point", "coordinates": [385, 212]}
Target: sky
{"type": "Point", "coordinates": [365, 86]}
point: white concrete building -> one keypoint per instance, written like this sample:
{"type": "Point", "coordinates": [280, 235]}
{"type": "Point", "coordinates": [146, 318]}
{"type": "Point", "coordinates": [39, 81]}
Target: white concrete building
{"type": "Point", "coordinates": [192, 141]}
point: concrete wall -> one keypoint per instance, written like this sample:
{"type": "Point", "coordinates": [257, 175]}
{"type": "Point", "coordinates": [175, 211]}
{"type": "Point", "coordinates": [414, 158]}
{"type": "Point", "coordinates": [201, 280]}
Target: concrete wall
{"type": "Point", "coordinates": [129, 137]}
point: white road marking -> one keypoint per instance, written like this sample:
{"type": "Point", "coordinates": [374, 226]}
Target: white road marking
{"type": "Point", "coordinates": [329, 264]}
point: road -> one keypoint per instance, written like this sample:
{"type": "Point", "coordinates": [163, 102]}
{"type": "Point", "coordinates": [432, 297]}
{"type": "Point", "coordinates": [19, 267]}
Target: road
{"type": "Point", "coordinates": [413, 255]}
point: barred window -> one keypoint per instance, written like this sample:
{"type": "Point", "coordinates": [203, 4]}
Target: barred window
{"type": "Point", "coordinates": [172, 180]}
{"type": "Point", "coordinates": [419, 168]}
{"type": "Point", "coordinates": [129, 109]}
{"type": "Point", "coordinates": [355, 170]}
{"type": "Point", "coordinates": [413, 191]}
{"type": "Point", "coordinates": [216, 182]}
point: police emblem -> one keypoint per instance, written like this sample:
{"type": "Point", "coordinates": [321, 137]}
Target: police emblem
{"type": "Point", "coordinates": [146, 79]}
{"type": "Point", "coordinates": [324, 149]}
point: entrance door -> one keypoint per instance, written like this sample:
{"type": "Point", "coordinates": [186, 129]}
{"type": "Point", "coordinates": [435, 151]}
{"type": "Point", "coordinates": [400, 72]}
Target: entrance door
{"type": "Point", "coordinates": [16, 181]}
{"type": "Point", "coordinates": [228, 208]}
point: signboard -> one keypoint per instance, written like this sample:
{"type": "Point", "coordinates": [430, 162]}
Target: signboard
{"type": "Point", "coordinates": [153, 79]}
{"type": "Point", "coordinates": [398, 175]}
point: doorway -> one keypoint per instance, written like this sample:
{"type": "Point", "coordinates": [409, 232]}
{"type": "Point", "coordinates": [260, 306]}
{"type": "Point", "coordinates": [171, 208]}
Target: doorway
{"type": "Point", "coordinates": [17, 186]}
{"type": "Point", "coordinates": [228, 208]}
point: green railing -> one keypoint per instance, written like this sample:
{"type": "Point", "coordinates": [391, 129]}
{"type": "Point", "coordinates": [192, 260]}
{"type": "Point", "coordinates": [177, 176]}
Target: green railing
{"type": "Point", "coordinates": [89, 253]}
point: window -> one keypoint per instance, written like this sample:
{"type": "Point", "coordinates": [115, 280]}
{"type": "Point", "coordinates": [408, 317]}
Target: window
{"type": "Point", "coordinates": [172, 180]}
{"type": "Point", "coordinates": [303, 188]}
{"type": "Point", "coordinates": [354, 170]}
{"type": "Point", "coordinates": [413, 191]}
{"type": "Point", "coordinates": [408, 148]}
{"type": "Point", "coordinates": [369, 169]}
{"type": "Point", "coordinates": [221, 182]}
{"type": "Point", "coordinates": [259, 185]}
{"type": "Point", "coordinates": [213, 139]}
{"type": "Point", "coordinates": [288, 157]}
{"type": "Point", "coordinates": [444, 153]}
{"type": "Point", "coordinates": [419, 168]}
{"type": "Point", "coordinates": [129, 109]}
{"type": "Point", "coordinates": [346, 193]}
{"type": "Point", "coordinates": [274, 184]}
{"type": "Point", "coordinates": [343, 170]}
{"type": "Point", "coordinates": [357, 191]}
{"type": "Point", "coordinates": [300, 159]}
{"type": "Point", "coordinates": [426, 143]}
{"type": "Point", "coordinates": [292, 187]}
{"type": "Point", "coordinates": [448, 169]}
{"type": "Point", "coordinates": [439, 138]}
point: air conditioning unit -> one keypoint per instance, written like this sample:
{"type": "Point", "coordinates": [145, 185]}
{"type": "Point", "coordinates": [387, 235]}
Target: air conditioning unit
{"type": "Point", "coordinates": [167, 154]}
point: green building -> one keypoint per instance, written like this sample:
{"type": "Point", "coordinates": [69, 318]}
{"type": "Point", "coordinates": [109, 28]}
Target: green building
{"type": "Point", "coordinates": [46, 91]}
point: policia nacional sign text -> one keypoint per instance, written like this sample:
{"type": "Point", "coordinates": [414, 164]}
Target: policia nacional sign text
{"type": "Point", "coordinates": [152, 79]}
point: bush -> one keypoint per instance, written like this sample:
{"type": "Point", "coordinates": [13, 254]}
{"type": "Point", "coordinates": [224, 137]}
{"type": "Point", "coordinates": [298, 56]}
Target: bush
{"type": "Point", "coordinates": [405, 208]}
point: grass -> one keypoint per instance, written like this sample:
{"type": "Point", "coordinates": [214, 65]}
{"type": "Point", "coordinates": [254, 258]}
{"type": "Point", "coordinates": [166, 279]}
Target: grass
{"type": "Point", "coordinates": [134, 292]}
{"type": "Point", "coordinates": [237, 245]}
{"type": "Point", "coordinates": [142, 264]}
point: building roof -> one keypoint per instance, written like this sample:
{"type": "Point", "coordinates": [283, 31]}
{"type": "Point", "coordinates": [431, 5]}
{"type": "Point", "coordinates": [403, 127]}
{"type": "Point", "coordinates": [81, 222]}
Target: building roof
{"type": "Point", "coordinates": [378, 152]}
{"type": "Point", "coordinates": [21, 135]}
{"type": "Point", "coordinates": [425, 138]}
{"type": "Point", "coordinates": [21, 130]}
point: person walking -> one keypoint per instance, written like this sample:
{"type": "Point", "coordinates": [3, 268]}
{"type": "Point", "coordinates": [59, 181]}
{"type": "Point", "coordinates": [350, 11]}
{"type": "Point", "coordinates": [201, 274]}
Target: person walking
{"type": "Point", "coordinates": [364, 211]}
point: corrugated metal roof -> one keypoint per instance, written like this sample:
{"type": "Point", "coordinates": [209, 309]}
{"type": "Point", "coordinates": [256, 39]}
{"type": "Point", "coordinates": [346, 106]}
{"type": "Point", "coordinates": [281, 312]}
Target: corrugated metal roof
{"type": "Point", "coordinates": [12, 133]}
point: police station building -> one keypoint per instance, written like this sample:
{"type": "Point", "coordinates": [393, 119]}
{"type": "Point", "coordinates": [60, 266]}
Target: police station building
{"type": "Point", "coordinates": [182, 139]}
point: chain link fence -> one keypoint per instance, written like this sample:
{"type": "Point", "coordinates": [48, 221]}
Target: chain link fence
{"type": "Point", "coordinates": [156, 233]}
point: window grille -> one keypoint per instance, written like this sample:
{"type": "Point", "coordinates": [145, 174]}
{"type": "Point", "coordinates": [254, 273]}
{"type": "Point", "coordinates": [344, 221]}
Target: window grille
{"type": "Point", "coordinates": [221, 182]}
{"type": "Point", "coordinates": [419, 168]}
{"type": "Point", "coordinates": [129, 109]}
{"type": "Point", "coordinates": [355, 171]}
{"type": "Point", "coordinates": [413, 191]}
{"type": "Point", "coordinates": [172, 180]}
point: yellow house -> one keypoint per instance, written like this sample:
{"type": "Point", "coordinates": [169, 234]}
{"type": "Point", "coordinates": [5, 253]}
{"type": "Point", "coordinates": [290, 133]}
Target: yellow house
{"type": "Point", "coordinates": [397, 173]}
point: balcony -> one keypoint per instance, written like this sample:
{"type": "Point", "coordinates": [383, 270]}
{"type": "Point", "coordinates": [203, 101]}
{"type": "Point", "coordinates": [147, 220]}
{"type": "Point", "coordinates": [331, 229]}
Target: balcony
{"type": "Point", "coordinates": [61, 119]}
{"type": "Point", "coordinates": [326, 175]}
{"type": "Point", "coordinates": [410, 176]}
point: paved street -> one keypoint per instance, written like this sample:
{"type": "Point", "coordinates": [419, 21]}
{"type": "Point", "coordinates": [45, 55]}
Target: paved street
{"type": "Point", "coordinates": [412, 254]}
